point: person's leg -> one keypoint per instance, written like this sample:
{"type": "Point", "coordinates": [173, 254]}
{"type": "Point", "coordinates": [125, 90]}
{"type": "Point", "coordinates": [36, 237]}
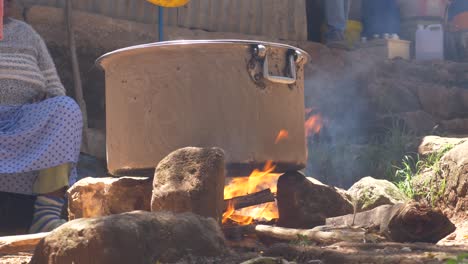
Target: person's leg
{"type": "Point", "coordinates": [347, 8]}
{"type": "Point", "coordinates": [336, 19]}
{"type": "Point", "coordinates": [51, 186]}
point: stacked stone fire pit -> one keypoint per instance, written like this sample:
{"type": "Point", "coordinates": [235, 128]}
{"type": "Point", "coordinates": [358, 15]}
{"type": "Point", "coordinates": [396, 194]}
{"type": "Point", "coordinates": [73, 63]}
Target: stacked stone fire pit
{"type": "Point", "coordinates": [176, 217]}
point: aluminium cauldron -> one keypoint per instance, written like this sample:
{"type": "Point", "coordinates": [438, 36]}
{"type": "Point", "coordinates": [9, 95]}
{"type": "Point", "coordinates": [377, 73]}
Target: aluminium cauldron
{"type": "Point", "coordinates": [233, 94]}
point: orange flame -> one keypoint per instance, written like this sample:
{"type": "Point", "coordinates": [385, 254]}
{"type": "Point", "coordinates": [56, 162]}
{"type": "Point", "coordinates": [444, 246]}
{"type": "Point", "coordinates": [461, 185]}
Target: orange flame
{"type": "Point", "coordinates": [230, 210]}
{"type": "Point", "coordinates": [282, 135]}
{"type": "Point", "coordinates": [241, 219]}
{"type": "Point", "coordinates": [313, 124]}
{"type": "Point", "coordinates": [257, 181]}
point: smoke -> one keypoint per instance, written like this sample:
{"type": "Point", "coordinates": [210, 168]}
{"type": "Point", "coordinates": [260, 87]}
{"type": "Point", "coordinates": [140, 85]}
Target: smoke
{"type": "Point", "coordinates": [335, 88]}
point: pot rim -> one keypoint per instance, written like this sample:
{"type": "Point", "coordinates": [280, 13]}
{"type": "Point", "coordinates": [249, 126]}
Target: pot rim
{"type": "Point", "coordinates": [99, 60]}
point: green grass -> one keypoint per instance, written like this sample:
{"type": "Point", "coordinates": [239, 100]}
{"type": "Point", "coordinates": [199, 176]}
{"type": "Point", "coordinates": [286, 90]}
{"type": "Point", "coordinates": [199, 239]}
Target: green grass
{"type": "Point", "coordinates": [412, 166]}
{"type": "Point", "coordinates": [386, 156]}
{"type": "Point", "coordinates": [461, 259]}
{"type": "Point", "coordinates": [404, 174]}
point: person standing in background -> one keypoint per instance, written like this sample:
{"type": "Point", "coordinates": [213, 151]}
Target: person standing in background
{"type": "Point", "coordinates": [336, 12]}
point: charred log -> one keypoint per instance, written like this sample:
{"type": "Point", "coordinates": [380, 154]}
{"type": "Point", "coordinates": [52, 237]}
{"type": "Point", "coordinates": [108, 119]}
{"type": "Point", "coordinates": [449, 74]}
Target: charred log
{"type": "Point", "coordinates": [265, 196]}
{"type": "Point", "coordinates": [411, 222]}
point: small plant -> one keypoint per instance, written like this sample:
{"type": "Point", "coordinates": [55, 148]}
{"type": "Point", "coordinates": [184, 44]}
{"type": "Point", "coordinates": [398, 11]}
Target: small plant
{"type": "Point", "coordinates": [432, 161]}
{"type": "Point", "coordinates": [404, 175]}
{"type": "Point", "coordinates": [461, 259]}
{"type": "Point", "coordinates": [412, 166]}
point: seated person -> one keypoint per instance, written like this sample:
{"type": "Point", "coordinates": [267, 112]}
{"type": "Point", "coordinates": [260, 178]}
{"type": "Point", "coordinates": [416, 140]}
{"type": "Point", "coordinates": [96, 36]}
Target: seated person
{"type": "Point", "coordinates": [40, 128]}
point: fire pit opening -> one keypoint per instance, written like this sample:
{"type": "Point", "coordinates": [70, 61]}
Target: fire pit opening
{"type": "Point", "coordinates": [252, 199]}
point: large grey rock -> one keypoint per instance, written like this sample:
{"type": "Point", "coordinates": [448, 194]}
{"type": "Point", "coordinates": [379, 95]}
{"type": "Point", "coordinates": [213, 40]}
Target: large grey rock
{"type": "Point", "coordinates": [434, 144]}
{"type": "Point", "coordinates": [93, 197]}
{"type": "Point", "coordinates": [135, 237]}
{"type": "Point", "coordinates": [454, 168]}
{"type": "Point", "coordinates": [370, 193]}
{"type": "Point", "coordinates": [190, 180]}
{"type": "Point", "coordinates": [305, 204]}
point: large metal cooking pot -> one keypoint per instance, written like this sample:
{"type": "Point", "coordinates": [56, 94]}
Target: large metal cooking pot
{"type": "Point", "coordinates": [233, 94]}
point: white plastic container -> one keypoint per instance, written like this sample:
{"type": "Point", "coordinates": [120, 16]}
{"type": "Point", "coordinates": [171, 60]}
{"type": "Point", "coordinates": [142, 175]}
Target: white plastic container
{"type": "Point", "coordinates": [429, 42]}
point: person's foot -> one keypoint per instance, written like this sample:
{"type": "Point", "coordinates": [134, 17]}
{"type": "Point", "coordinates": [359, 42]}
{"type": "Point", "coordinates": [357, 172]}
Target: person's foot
{"type": "Point", "coordinates": [47, 212]}
{"type": "Point", "coordinates": [336, 39]}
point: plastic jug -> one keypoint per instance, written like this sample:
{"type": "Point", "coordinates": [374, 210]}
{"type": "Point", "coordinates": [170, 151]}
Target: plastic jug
{"type": "Point", "coordinates": [430, 42]}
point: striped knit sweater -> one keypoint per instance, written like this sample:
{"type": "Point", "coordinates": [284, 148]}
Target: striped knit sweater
{"type": "Point", "coordinates": [26, 67]}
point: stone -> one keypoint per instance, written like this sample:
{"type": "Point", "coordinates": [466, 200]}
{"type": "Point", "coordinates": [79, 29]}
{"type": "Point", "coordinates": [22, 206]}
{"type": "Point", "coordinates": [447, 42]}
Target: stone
{"type": "Point", "coordinates": [190, 180]}
{"type": "Point", "coordinates": [303, 204]}
{"type": "Point", "coordinates": [454, 168]}
{"type": "Point", "coordinates": [94, 197]}
{"type": "Point", "coordinates": [454, 126]}
{"type": "Point", "coordinates": [418, 122]}
{"type": "Point", "coordinates": [434, 144]}
{"type": "Point", "coordinates": [440, 101]}
{"type": "Point", "coordinates": [340, 191]}
{"type": "Point", "coordinates": [388, 95]}
{"type": "Point", "coordinates": [370, 193]}
{"type": "Point", "coordinates": [415, 122]}
{"type": "Point", "coordinates": [135, 237]}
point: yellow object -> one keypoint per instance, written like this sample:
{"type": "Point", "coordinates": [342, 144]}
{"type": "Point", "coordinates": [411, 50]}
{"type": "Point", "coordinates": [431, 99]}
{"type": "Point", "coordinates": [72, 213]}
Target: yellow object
{"type": "Point", "coordinates": [52, 179]}
{"type": "Point", "coordinates": [353, 32]}
{"type": "Point", "coordinates": [398, 48]}
{"type": "Point", "coordinates": [169, 3]}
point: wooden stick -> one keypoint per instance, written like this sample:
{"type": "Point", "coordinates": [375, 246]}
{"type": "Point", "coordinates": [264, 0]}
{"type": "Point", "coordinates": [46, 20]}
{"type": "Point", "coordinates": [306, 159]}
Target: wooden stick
{"type": "Point", "coordinates": [22, 243]}
{"type": "Point", "coordinates": [265, 196]}
{"type": "Point", "coordinates": [329, 236]}
{"type": "Point", "coordinates": [266, 260]}
{"type": "Point", "coordinates": [76, 70]}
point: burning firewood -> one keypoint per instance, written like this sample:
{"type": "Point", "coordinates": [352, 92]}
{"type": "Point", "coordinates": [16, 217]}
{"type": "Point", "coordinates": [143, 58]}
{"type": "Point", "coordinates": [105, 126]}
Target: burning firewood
{"type": "Point", "coordinates": [319, 234]}
{"type": "Point", "coordinates": [265, 196]}
{"type": "Point", "coordinates": [411, 222]}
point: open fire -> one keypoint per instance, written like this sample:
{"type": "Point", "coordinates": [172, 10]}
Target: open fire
{"type": "Point", "coordinates": [257, 181]}
{"type": "Point", "coordinates": [260, 180]}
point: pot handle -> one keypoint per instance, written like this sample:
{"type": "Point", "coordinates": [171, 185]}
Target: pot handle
{"type": "Point", "coordinates": [281, 79]}
{"type": "Point", "coordinates": [261, 49]}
